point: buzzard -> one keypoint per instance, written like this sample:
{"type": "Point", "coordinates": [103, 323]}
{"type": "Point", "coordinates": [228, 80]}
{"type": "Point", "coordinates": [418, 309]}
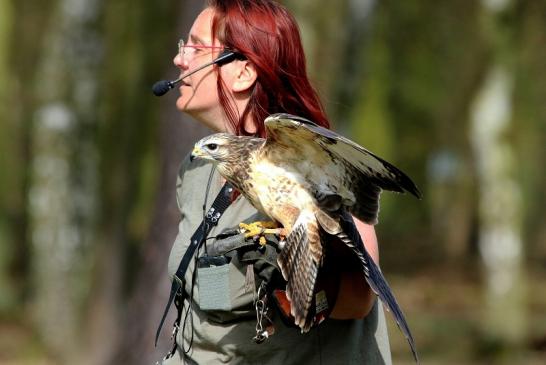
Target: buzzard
{"type": "Point", "coordinates": [308, 178]}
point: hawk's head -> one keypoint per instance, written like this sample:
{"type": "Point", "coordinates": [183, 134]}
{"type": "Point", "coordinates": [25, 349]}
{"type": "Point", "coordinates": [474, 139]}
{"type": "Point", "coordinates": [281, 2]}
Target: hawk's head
{"type": "Point", "coordinates": [231, 153]}
{"type": "Point", "coordinates": [217, 148]}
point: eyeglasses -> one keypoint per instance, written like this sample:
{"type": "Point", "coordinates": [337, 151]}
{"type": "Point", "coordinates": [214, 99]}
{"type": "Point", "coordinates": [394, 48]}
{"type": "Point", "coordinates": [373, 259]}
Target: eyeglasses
{"type": "Point", "coordinates": [190, 50]}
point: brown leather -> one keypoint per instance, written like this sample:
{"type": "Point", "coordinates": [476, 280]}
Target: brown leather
{"type": "Point", "coordinates": [283, 304]}
{"type": "Point", "coordinates": [327, 283]}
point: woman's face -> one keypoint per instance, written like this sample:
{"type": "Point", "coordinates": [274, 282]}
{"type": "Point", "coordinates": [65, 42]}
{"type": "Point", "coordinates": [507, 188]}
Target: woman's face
{"type": "Point", "coordinates": [198, 92]}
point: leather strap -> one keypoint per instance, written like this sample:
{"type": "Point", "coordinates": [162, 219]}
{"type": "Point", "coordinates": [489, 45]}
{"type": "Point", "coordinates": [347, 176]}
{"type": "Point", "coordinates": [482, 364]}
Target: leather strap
{"type": "Point", "coordinates": [220, 204]}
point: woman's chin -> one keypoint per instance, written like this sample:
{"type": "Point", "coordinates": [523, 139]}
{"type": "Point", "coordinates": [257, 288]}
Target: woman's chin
{"type": "Point", "coordinates": [182, 104]}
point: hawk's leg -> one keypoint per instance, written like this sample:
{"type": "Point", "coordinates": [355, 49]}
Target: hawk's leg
{"type": "Point", "coordinates": [261, 228]}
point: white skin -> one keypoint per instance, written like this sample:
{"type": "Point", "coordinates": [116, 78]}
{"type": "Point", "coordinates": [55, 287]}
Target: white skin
{"type": "Point", "coordinates": [198, 92]}
{"type": "Point", "coordinates": [199, 98]}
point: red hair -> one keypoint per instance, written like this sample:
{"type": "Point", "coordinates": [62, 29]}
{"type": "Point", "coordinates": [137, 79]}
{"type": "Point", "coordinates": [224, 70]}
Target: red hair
{"type": "Point", "coordinates": [268, 36]}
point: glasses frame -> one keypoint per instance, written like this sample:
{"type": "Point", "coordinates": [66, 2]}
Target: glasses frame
{"type": "Point", "coordinates": [182, 48]}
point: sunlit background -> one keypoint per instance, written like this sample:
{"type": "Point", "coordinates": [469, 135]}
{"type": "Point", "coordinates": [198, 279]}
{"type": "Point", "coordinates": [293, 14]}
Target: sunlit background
{"type": "Point", "coordinates": [452, 92]}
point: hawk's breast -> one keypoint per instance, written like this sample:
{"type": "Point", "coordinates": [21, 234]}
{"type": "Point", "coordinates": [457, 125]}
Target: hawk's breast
{"type": "Point", "coordinates": [279, 192]}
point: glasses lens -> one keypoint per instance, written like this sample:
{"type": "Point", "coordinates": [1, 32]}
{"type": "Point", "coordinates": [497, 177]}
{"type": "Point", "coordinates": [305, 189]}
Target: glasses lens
{"type": "Point", "coordinates": [190, 50]}
{"type": "Point", "coordinates": [181, 46]}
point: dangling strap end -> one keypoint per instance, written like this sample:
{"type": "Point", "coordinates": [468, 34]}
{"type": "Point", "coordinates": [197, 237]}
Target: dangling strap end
{"type": "Point", "coordinates": [175, 287]}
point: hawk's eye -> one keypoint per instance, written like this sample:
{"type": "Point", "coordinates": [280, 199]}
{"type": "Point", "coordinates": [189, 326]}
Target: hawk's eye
{"type": "Point", "coordinates": [212, 146]}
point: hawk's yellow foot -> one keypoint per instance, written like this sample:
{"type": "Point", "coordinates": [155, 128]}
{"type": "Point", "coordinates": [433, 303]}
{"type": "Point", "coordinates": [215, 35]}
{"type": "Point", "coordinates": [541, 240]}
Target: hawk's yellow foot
{"type": "Point", "coordinates": [258, 228]}
{"type": "Point", "coordinates": [261, 228]}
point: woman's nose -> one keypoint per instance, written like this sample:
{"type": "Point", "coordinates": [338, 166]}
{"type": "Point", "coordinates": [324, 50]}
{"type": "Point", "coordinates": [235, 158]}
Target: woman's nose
{"type": "Point", "coordinates": [180, 62]}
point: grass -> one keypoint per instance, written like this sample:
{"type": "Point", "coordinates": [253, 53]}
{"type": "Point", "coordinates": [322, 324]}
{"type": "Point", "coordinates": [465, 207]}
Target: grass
{"type": "Point", "coordinates": [445, 312]}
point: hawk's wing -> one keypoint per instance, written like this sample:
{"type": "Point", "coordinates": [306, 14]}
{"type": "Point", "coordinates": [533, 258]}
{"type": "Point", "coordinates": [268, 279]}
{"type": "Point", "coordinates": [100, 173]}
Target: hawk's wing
{"type": "Point", "coordinates": [352, 172]}
{"type": "Point", "coordinates": [336, 168]}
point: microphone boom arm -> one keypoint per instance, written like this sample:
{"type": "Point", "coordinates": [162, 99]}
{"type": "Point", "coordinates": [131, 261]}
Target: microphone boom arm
{"type": "Point", "coordinates": [162, 87]}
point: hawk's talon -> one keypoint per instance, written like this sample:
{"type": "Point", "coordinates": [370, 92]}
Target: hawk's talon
{"type": "Point", "coordinates": [258, 230]}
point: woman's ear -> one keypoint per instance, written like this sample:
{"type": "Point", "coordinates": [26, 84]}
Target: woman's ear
{"type": "Point", "coordinates": [245, 76]}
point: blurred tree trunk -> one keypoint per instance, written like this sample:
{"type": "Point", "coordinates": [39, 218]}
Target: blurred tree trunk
{"type": "Point", "coordinates": [529, 127]}
{"type": "Point", "coordinates": [62, 190]}
{"type": "Point", "coordinates": [9, 194]}
{"type": "Point", "coordinates": [177, 133]}
{"type": "Point", "coordinates": [135, 48]}
{"type": "Point", "coordinates": [500, 204]}
{"type": "Point", "coordinates": [24, 23]}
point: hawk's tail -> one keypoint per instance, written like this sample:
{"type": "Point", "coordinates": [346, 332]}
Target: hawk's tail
{"type": "Point", "coordinates": [376, 280]}
{"type": "Point", "coordinates": [299, 261]}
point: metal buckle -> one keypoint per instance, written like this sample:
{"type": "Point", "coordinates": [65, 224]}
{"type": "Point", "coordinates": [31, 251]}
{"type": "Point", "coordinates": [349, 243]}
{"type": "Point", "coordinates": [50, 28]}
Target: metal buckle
{"type": "Point", "coordinates": [212, 216]}
{"type": "Point", "coordinates": [261, 313]}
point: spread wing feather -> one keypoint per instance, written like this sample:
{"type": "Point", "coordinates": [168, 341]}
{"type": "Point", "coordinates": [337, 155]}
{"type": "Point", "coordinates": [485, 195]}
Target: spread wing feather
{"type": "Point", "coordinates": [349, 235]}
{"type": "Point", "coordinates": [353, 172]}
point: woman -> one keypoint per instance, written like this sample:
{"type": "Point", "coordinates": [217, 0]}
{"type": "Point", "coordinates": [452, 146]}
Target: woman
{"type": "Point", "coordinates": [236, 98]}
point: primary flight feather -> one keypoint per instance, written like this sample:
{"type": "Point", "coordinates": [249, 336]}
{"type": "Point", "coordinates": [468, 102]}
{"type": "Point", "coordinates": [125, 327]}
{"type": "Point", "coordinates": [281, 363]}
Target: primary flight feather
{"type": "Point", "coordinates": [307, 178]}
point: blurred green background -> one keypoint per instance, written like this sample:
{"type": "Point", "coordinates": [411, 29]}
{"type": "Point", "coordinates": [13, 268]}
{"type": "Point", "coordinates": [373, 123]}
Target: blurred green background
{"type": "Point", "coordinates": [452, 92]}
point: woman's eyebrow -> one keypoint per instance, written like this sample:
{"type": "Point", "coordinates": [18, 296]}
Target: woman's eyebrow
{"type": "Point", "coordinates": [196, 39]}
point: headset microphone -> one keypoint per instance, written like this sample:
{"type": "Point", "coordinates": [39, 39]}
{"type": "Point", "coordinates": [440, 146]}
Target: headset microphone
{"type": "Point", "coordinates": [163, 86]}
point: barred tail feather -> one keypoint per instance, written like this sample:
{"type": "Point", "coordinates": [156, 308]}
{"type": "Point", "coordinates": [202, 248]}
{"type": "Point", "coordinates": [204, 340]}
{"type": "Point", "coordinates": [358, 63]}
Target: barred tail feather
{"type": "Point", "coordinates": [299, 264]}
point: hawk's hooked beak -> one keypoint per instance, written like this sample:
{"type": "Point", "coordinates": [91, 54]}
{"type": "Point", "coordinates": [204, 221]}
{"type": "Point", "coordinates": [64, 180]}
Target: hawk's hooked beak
{"type": "Point", "coordinates": [196, 152]}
